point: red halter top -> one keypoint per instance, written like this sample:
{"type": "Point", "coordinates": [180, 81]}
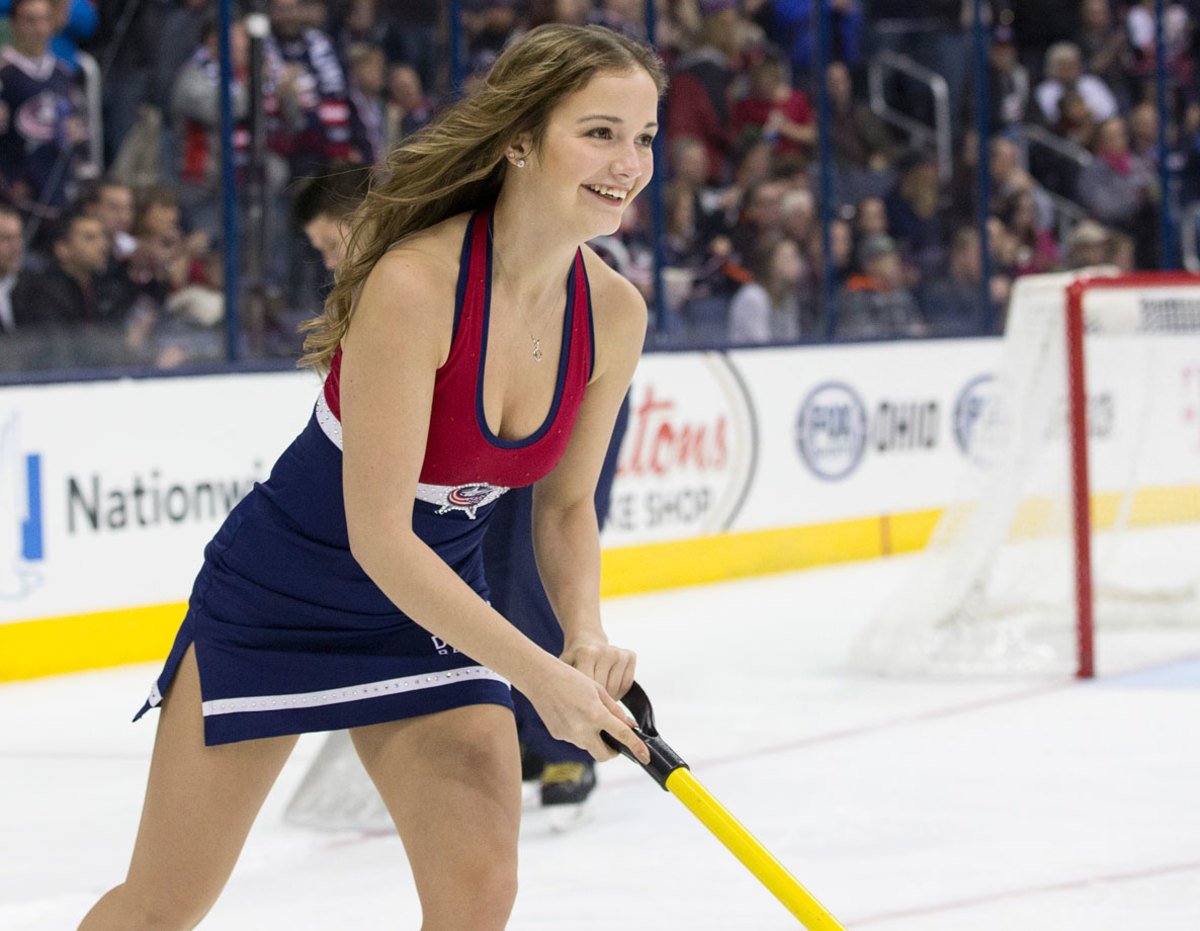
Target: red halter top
{"type": "Point", "coordinates": [460, 448]}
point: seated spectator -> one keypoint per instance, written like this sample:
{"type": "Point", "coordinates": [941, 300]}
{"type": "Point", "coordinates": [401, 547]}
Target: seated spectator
{"type": "Point", "coordinates": [870, 218]}
{"type": "Point", "coordinates": [762, 213]}
{"type": "Point", "coordinates": [862, 144]}
{"type": "Point", "coordinates": [841, 248]}
{"type": "Point", "coordinates": [41, 115]}
{"type": "Point", "coordinates": [774, 111]}
{"type": "Point", "coordinates": [689, 248]}
{"type": "Point", "coordinates": [1117, 187]}
{"type": "Point", "coordinates": [12, 271]}
{"type": "Point", "coordinates": [1088, 245]}
{"type": "Point", "coordinates": [74, 22]}
{"type": "Point", "coordinates": [323, 207]}
{"type": "Point", "coordinates": [1140, 26]}
{"type": "Point", "coordinates": [952, 303]}
{"type": "Point", "coordinates": [1104, 46]}
{"type": "Point", "coordinates": [408, 108]}
{"type": "Point", "coordinates": [1143, 132]}
{"type": "Point", "coordinates": [368, 108]}
{"type": "Point", "coordinates": [767, 308]}
{"type": "Point", "coordinates": [697, 104]}
{"type": "Point", "coordinates": [311, 86]}
{"type": "Point", "coordinates": [1036, 248]}
{"type": "Point", "coordinates": [1008, 81]}
{"type": "Point", "coordinates": [69, 295]}
{"type": "Point", "coordinates": [876, 304]}
{"type": "Point", "coordinates": [914, 212]}
{"type": "Point", "coordinates": [1064, 72]}
{"type": "Point", "coordinates": [1075, 121]}
{"type": "Point", "coordinates": [112, 204]}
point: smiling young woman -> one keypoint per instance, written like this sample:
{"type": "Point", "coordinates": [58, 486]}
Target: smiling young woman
{"type": "Point", "coordinates": [471, 343]}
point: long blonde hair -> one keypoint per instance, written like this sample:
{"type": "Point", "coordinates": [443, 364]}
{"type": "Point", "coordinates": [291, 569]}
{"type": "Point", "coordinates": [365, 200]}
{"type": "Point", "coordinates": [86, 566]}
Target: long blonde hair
{"type": "Point", "coordinates": [456, 163]}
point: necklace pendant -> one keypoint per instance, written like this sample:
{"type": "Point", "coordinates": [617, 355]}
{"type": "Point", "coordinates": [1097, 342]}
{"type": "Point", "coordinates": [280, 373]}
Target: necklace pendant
{"type": "Point", "coordinates": [537, 349]}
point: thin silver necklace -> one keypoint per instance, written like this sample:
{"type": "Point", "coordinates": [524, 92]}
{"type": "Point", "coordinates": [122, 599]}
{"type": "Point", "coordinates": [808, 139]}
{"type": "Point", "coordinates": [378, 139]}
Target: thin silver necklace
{"type": "Point", "coordinates": [536, 340]}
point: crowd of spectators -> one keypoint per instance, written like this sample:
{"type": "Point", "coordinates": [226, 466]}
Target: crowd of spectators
{"type": "Point", "coordinates": [111, 228]}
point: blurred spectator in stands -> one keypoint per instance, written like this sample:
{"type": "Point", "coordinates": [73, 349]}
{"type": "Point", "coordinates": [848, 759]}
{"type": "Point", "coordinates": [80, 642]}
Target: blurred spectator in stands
{"type": "Point", "coordinates": [74, 23]}
{"type": "Point", "coordinates": [624, 16]}
{"type": "Point", "coordinates": [794, 30]}
{"type": "Point", "coordinates": [183, 30]}
{"type": "Point", "coordinates": [112, 204]}
{"type": "Point", "coordinates": [863, 148]}
{"type": "Point", "coordinates": [1008, 82]}
{"type": "Point", "coordinates": [1007, 177]}
{"type": "Point", "coordinates": [1075, 121]}
{"type": "Point", "coordinates": [12, 270]}
{"type": "Point", "coordinates": [952, 303]}
{"type": "Point", "coordinates": [870, 218]}
{"type": "Point", "coordinates": [311, 87]}
{"type": "Point", "coordinates": [126, 46]}
{"type": "Point", "coordinates": [1104, 45]}
{"type": "Point", "coordinates": [767, 308]}
{"type": "Point", "coordinates": [1036, 247]}
{"type": "Point", "coordinates": [368, 108]}
{"type": "Point", "coordinates": [876, 304]}
{"type": "Point", "coordinates": [914, 211]}
{"type": "Point", "coordinates": [41, 115]}
{"type": "Point", "coordinates": [697, 102]}
{"type": "Point", "coordinates": [1088, 244]}
{"type": "Point", "coordinates": [799, 214]}
{"type": "Point", "coordinates": [356, 22]}
{"type": "Point", "coordinates": [323, 206]}
{"type": "Point", "coordinates": [488, 25]}
{"type": "Point", "coordinates": [773, 110]}
{"type": "Point", "coordinates": [1177, 40]}
{"type": "Point", "coordinates": [689, 245]}
{"type": "Point", "coordinates": [1064, 72]}
{"type": "Point", "coordinates": [408, 108]}
{"type": "Point", "coordinates": [1122, 253]}
{"type": "Point", "coordinates": [1118, 187]}
{"type": "Point", "coordinates": [414, 37]}
{"type": "Point", "coordinates": [196, 112]}
{"type": "Point", "coordinates": [1143, 132]}
{"type": "Point", "coordinates": [841, 247]}
{"type": "Point", "coordinates": [762, 215]}
{"type": "Point", "coordinates": [68, 293]}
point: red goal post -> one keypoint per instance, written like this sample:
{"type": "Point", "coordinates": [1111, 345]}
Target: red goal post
{"type": "Point", "coordinates": [1078, 431]}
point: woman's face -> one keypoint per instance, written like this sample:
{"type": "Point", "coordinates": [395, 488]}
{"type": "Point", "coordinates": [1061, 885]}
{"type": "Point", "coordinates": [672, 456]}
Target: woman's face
{"type": "Point", "coordinates": [786, 264]}
{"type": "Point", "coordinates": [596, 152]}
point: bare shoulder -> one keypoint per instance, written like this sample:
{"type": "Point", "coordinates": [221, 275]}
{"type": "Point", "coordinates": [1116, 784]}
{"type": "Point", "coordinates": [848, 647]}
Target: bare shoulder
{"type": "Point", "coordinates": [410, 292]}
{"type": "Point", "coordinates": [618, 308]}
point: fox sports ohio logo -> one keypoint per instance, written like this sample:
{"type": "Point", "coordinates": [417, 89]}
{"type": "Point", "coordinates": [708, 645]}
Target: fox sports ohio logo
{"type": "Point", "coordinates": [979, 427]}
{"type": "Point", "coordinates": [831, 431]}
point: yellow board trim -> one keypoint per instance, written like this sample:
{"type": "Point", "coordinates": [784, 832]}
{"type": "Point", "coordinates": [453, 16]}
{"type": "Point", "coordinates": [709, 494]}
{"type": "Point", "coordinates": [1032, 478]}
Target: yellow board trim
{"type": "Point", "coordinates": [30, 649]}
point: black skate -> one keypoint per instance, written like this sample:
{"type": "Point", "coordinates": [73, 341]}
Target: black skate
{"type": "Point", "coordinates": [565, 788]}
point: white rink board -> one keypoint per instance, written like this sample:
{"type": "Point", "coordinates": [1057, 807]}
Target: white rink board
{"type": "Point", "coordinates": [137, 475]}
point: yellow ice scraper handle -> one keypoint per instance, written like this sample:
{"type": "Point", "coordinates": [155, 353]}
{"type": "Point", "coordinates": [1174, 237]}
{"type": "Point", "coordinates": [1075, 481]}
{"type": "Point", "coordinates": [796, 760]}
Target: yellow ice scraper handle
{"type": "Point", "coordinates": [670, 771]}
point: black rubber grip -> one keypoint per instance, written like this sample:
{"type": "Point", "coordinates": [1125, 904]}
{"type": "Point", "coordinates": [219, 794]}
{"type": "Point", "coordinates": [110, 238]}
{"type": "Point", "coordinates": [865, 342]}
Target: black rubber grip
{"type": "Point", "coordinates": [663, 760]}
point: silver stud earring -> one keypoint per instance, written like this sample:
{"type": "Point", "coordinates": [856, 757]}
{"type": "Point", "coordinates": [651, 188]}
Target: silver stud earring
{"type": "Point", "coordinates": [520, 163]}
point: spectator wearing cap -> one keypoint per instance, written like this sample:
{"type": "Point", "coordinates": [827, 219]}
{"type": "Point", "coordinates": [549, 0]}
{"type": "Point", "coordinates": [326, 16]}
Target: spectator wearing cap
{"type": "Point", "coordinates": [875, 304]}
{"type": "Point", "coordinates": [697, 103]}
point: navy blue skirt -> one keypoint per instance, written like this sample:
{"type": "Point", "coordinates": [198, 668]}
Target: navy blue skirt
{"type": "Point", "coordinates": [291, 635]}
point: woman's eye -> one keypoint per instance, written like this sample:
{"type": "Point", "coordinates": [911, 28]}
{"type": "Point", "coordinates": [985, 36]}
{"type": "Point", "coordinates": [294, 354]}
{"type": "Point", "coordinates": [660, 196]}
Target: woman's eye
{"type": "Point", "coordinates": [601, 132]}
{"type": "Point", "coordinates": [646, 139]}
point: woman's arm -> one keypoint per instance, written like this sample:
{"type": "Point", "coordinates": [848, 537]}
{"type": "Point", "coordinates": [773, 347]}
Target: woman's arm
{"type": "Point", "coordinates": [566, 535]}
{"type": "Point", "coordinates": [399, 337]}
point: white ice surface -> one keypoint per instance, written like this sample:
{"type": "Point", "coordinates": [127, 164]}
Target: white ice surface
{"type": "Point", "coordinates": [904, 805]}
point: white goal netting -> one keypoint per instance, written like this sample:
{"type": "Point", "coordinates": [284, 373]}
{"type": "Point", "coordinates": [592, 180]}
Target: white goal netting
{"type": "Point", "coordinates": [994, 589]}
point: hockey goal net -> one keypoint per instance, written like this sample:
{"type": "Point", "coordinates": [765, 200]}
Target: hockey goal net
{"type": "Point", "coordinates": [1080, 503]}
